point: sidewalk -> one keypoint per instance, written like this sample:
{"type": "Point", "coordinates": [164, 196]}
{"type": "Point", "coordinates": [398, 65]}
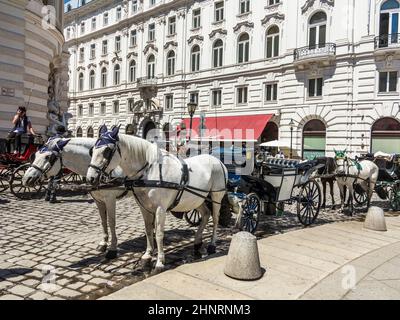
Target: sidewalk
{"type": "Point", "coordinates": [312, 263]}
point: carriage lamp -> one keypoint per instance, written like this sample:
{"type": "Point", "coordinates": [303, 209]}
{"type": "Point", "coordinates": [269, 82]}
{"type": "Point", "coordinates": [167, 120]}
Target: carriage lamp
{"type": "Point", "coordinates": [291, 124]}
{"type": "Point", "coordinates": [191, 107]}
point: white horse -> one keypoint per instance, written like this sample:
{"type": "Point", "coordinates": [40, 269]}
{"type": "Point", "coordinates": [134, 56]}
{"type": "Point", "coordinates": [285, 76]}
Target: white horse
{"type": "Point", "coordinates": [349, 171]}
{"type": "Point", "coordinates": [140, 159]}
{"type": "Point", "coordinates": [74, 155]}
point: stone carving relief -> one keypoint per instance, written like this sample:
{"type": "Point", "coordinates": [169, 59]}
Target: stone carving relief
{"type": "Point", "coordinates": [195, 39]}
{"type": "Point", "coordinates": [220, 31]}
{"type": "Point", "coordinates": [244, 26]}
{"type": "Point", "coordinates": [273, 18]}
{"type": "Point", "coordinates": [309, 5]}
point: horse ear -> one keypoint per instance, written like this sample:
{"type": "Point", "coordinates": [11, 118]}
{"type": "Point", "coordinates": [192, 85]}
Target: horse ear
{"type": "Point", "coordinates": [61, 144]}
{"type": "Point", "coordinates": [114, 133]}
{"type": "Point", "coordinates": [103, 129]}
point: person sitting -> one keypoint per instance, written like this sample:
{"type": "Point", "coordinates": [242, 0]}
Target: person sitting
{"type": "Point", "coordinates": [22, 125]}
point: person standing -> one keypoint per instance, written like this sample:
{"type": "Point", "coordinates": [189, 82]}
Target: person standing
{"type": "Point", "coordinates": [22, 125]}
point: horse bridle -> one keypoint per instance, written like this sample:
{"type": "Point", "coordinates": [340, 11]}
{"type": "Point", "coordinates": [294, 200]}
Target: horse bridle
{"type": "Point", "coordinates": [52, 160]}
{"type": "Point", "coordinates": [108, 154]}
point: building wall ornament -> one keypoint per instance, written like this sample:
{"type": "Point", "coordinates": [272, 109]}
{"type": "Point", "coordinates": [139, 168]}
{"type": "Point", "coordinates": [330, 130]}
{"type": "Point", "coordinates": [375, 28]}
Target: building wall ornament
{"type": "Point", "coordinates": [217, 31]}
{"type": "Point", "coordinates": [103, 62]}
{"type": "Point", "coordinates": [310, 4]}
{"type": "Point", "coordinates": [117, 58]}
{"type": "Point", "coordinates": [162, 20]}
{"type": "Point", "coordinates": [150, 46]}
{"type": "Point", "coordinates": [273, 18]}
{"type": "Point", "coordinates": [129, 55]}
{"type": "Point", "coordinates": [80, 68]}
{"type": "Point", "coordinates": [173, 44]}
{"type": "Point", "coordinates": [195, 38]}
{"type": "Point", "coordinates": [243, 26]}
{"type": "Point", "coordinates": [181, 13]}
{"type": "Point", "coordinates": [91, 65]}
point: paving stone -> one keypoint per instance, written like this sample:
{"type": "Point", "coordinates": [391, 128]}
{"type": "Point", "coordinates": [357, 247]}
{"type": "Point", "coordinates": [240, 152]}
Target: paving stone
{"type": "Point", "coordinates": [21, 290]}
{"type": "Point", "coordinates": [10, 297]}
{"type": "Point", "coordinates": [68, 293]}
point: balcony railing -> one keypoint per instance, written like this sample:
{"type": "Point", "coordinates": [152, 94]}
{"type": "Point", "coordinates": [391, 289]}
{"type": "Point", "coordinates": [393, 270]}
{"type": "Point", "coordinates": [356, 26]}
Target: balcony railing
{"type": "Point", "coordinates": [146, 82]}
{"type": "Point", "coordinates": [387, 41]}
{"type": "Point", "coordinates": [319, 50]}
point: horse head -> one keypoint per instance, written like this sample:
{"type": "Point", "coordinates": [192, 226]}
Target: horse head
{"type": "Point", "coordinates": [105, 154]}
{"type": "Point", "coordinates": [47, 161]}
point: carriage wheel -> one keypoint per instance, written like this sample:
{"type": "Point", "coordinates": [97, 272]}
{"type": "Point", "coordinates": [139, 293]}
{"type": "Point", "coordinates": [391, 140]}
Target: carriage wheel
{"type": "Point", "coordinates": [72, 177]}
{"type": "Point", "coordinates": [4, 178]}
{"type": "Point", "coordinates": [360, 198]}
{"type": "Point", "coordinates": [193, 218]}
{"type": "Point", "coordinates": [309, 203]}
{"type": "Point", "coordinates": [19, 190]}
{"type": "Point", "coordinates": [394, 198]}
{"type": "Point", "coordinates": [251, 213]}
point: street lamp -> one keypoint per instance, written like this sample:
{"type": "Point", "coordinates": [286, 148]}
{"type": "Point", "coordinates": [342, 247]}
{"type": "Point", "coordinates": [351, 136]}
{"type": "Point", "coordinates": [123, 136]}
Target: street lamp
{"type": "Point", "coordinates": [191, 107]}
{"type": "Point", "coordinates": [291, 124]}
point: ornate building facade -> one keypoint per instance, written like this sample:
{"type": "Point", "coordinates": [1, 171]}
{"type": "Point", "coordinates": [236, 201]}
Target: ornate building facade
{"type": "Point", "coordinates": [34, 64]}
{"type": "Point", "coordinates": [325, 72]}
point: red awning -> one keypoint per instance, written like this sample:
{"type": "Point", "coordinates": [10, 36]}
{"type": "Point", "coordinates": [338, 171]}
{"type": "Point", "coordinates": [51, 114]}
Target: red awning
{"type": "Point", "coordinates": [242, 128]}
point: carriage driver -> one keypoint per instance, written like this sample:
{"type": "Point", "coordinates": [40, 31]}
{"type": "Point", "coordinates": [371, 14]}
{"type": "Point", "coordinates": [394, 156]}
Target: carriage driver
{"type": "Point", "coordinates": [22, 124]}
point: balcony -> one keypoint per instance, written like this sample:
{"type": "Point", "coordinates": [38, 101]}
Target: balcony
{"type": "Point", "coordinates": [387, 43]}
{"type": "Point", "coordinates": [147, 87]}
{"type": "Point", "coordinates": [146, 82]}
{"type": "Point", "coordinates": [323, 54]}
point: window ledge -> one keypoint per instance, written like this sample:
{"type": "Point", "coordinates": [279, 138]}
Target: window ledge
{"type": "Point", "coordinates": [150, 41]}
{"type": "Point", "coordinates": [171, 35]}
{"type": "Point", "coordinates": [315, 98]}
{"type": "Point", "coordinates": [244, 14]}
{"type": "Point", "coordinates": [271, 102]}
{"type": "Point", "coordinates": [273, 6]}
{"type": "Point", "coordinates": [132, 46]}
{"type": "Point", "coordinates": [195, 29]}
{"type": "Point", "coordinates": [104, 55]}
{"type": "Point", "coordinates": [218, 22]}
{"type": "Point", "coordinates": [388, 94]}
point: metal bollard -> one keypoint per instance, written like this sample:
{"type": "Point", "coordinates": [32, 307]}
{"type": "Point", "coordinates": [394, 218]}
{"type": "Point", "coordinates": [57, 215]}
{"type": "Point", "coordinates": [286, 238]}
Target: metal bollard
{"type": "Point", "coordinates": [375, 219]}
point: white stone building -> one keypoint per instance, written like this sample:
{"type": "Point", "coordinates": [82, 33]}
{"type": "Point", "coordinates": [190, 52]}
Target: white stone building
{"type": "Point", "coordinates": [328, 69]}
{"type": "Point", "coordinates": [33, 64]}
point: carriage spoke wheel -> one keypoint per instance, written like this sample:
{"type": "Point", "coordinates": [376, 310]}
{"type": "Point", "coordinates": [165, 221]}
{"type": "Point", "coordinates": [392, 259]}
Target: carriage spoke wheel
{"type": "Point", "coordinates": [309, 203]}
{"type": "Point", "coordinates": [360, 195]}
{"type": "Point", "coordinates": [193, 218]}
{"type": "Point", "coordinates": [251, 213]}
{"type": "Point", "coordinates": [72, 177]}
{"type": "Point", "coordinates": [19, 190]}
{"type": "Point", "coordinates": [4, 178]}
{"type": "Point", "coordinates": [394, 197]}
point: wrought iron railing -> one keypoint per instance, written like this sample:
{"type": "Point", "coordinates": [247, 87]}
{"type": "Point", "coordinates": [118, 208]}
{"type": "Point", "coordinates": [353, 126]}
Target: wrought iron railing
{"type": "Point", "coordinates": [145, 81]}
{"type": "Point", "coordinates": [326, 49]}
{"type": "Point", "coordinates": [387, 40]}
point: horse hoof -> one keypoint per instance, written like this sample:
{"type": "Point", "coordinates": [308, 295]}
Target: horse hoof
{"type": "Point", "coordinates": [211, 249]}
{"type": "Point", "coordinates": [111, 254]}
{"type": "Point", "coordinates": [197, 246]}
{"type": "Point", "coordinates": [145, 264]}
{"type": "Point", "coordinates": [157, 270]}
{"type": "Point", "coordinates": [197, 255]}
{"type": "Point", "coordinates": [102, 248]}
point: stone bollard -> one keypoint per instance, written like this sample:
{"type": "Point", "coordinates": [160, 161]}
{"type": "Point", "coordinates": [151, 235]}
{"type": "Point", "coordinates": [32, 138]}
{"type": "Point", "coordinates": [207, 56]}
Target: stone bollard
{"type": "Point", "coordinates": [243, 261]}
{"type": "Point", "coordinates": [375, 219]}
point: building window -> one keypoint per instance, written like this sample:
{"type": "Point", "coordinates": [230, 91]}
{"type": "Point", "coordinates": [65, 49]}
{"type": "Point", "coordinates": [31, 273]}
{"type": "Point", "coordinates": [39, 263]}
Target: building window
{"type": "Point", "coordinates": [105, 19]}
{"type": "Point", "coordinates": [90, 132]}
{"type": "Point", "coordinates": [104, 48]}
{"type": "Point", "coordinates": [92, 51]}
{"type": "Point", "coordinates": [272, 42]}
{"type": "Point", "coordinates": [92, 77]}
{"type": "Point", "coordinates": [315, 87]}
{"type": "Point", "coordinates": [273, 2]}
{"type": "Point", "coordinates": [80, 82]}
{"type": "Point", "coordinates": [79, 132]}
{"type": "Point", "coordinates": [131, 105]}
{"type": "Point", "coordinates": [171, 63]}
{"type": "Point", "coordinates": [271, 92]}
{"type": "Point", "coordinates": [385, 136]}
{"type": "Point", "coordinates": [103, 77]}
{"type": "Point", "coordinates": [132, 71]}
{"type": "Point", "coordinates": [219, 11]}
{"type": "Point", "coordinates": [116, 107]}
{"type": "Point", "coordinates": [194, 97]}
{"type": "Point", "coordinates": [91, 110]}
{"type": "Point", "coordinates": [82, 28]}
{"type": "Point", "coordinates": [152, 30]}
{"type": "Point", "coordinates": [102, 108]}
{"type": "Point", "coordinates": [317, 30]}
{"type": "Point", "coordinates": [244, 6]}
{"type": "Point", "coordinates": [80, 110]}
{"type": "Point", "coordinates": [389, 23]}
{"type": "Point", "coordinates": [388, 81]}
{"type": "Point", "coordinates": [196, 22]}
{"type": "Point", "coordinates": [171, 26]}
{"type": "Point", "coordinates": [169, 102]}
{"type": "Point", "coordinates": [118, 14]}
{"type": "Point", "coordinates": [216, 98]}
{"type": "Point", "coordinates": [195, 58]}
{"type": "Point", "coordinates": [241, 95]}
{"type": "Point", "coordinates": [117, 74]}
{"type": "Point", "coordinates": [218, 53]}
{"type": "Point", "coordinates": [133, 38]}
{"type": "Point", "coordinates": [118, 43]}
{"type": "Point", "coordinates": [81, 54]}
{"type": "Point", "coordinates": [152, 2]}
{"type": "Point", "coordinates": [93, 24]}
{"type": "Point", "coordinates": [243, 48]}
{"type": "Point", "coordinates": [314, 139]}
{"type": "Point", "coordinates": [134, 6]}
{"type": "Point", "coordinates": [150, 66]}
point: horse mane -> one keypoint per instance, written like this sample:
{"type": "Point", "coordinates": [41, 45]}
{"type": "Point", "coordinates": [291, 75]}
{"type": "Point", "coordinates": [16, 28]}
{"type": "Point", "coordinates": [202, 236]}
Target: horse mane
{"type": "Point", "coordinates": [330, 165]}
{"type": "Point", "coordinates": [140, 149]}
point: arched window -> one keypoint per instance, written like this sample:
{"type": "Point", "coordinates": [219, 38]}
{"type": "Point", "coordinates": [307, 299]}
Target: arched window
{"type": "Point", "coordinates": [314, 139]}
{"type": "Point", "coordinates": [171, 63]}
{"type": "Point", "coordinates": [389, 23]}
{"type": "Point", "coordinates": [195, 58]}
{"type": "Point", "coordinates": [218, 53]}
{"type": "Point", "coordinates": [90, 132]}
{"type": "Point", "coordinates": [79, 132]}
{"type": "Point", "coordinates": [243, 48]}
{"type": "Point", "coordinates": [92, 78]}
{"type": "Point", "coordinates": [80, 81]}
{"type": "Point", "coordinates": [132, 71]}
{"type": "Point", "coordinates": [151, 62]}
{"type": "Point", "coordinates": [317, 30]}
{"type": "Point", "coordinates": [117, 74]}
{"type": "Point", "coordinates": [104, 77]}
{"type": "Point", "coordinates": [272, 42]}
{"type": "Point", "coordinates": [385, 136]}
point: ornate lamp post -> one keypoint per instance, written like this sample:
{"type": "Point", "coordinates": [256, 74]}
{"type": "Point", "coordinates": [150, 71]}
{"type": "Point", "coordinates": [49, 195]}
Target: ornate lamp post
{"type": "Point", "coordinates": [191, 107]}
{"type": "Point", "coordinates": [291, 124]}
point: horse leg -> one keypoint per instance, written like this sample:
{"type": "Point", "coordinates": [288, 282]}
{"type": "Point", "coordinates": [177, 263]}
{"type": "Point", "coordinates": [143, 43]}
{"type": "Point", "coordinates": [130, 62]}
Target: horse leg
{"type": "Point", "coordinates": [148, 218]}
{"type": "Point", "coordinates": [102, 246]}
{"type": "Point", "coordinates": [342, 195]}
{"type": "Point", "coordinates": [350, 202]}
{"type": "Point", "coordinates": [216, 206]}
{"type": "Point", "coordinates": [198, 240]}
{"type": "Point", "coordinates": [110, 207]}
{"type": "Point", "coordinates": [160, 224]}
{"type": "Point", "coordinates": [331, 186]}
{"type": "Point", "coordinates": [323, 181]}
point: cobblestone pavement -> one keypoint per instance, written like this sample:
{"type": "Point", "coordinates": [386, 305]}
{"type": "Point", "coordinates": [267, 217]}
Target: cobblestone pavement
{"type": "Point", "coordinates": [47, 251]}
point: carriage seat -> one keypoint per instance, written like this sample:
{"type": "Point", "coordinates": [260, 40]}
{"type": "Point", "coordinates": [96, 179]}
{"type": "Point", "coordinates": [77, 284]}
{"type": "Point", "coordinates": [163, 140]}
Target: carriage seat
{"type": "Point", "coordinates": [388, 170]}
{"type": "Point", "coordinates": [282, 163]}
{"type": "Point", "coordinates": [307, 165]}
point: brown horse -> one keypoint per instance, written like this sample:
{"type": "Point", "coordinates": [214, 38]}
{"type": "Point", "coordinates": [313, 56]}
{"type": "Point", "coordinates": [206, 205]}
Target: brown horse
{"type": "Point", "coordinates": [328, 171]}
